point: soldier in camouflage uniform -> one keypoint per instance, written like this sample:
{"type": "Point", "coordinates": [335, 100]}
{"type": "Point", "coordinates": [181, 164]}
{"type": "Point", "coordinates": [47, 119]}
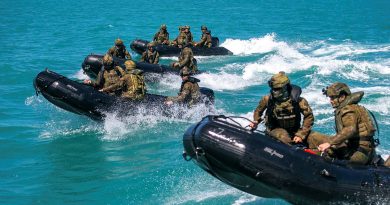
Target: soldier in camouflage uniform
{"type": "Point", "coordinates": [189, 38]}
{"type": "Point", "coordinates": [162, 36]}
{"type": "Point", "coordinates": [189, 91]}
{"type": "Point", "coordinates": [107, 77]}
{"type": "Point", "coordinates": [132, 83]}
{"type": "Point", "coordinates": [354, 139]}
{"type": "Point", "coordinates": [186, 58]}
{"type": "Point", "coordinates": [205, 40]}
{"type": "Point", "coordinates": [181, 39]}
{"type": "Point", "coordinates": [283, 108]}
{"type": "Point", "coordinates": [119, 50]}
{"type": "Point", "coordinates": [150, 55]}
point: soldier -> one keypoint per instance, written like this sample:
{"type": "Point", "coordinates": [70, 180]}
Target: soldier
{"type": "Point", "coordinates": [150, 56]}
{"type": "Point", "coordinates": [181, 39]}
{"type": "Point", "coordinates": [162, 36]}
{"type": "Point", "coordinates": [283, 109]}
{"type": "Point", "coordinates": [107, 77]}
{"type": "Point", "coordinates": [354, 139]}
{"type": "Point", "coordinates": [189, 39]}
{"type": "Point", "coordinates": [189, 90]}
{"type": "Point", "coordinates": [119, 50]}
{"type": "Point", "coordinates": [186, 58]}
{"type": "Point", "coordinates": [205, 40]}
{"type": "Point", "coordinates": [132, 83]}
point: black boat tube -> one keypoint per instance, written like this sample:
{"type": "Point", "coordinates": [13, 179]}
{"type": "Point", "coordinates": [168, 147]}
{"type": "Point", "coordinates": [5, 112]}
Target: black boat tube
{"type": "Point", "coordinates": [139, 46]}
{"type": "Point", "coordinates": [93, 63]}
{"type": "Point", "coordinates": [86, 100]}
{"type": "Point", "coordinates": [258, 164]}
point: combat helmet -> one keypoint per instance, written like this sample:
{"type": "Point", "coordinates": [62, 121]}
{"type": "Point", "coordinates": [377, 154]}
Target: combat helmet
{"type": "Point", "coordinates": [130, 65]}
{"type": "Point", "coordinates": [163, 27]}
{"type": "Point", "coordinates": [336, 89]}
{"type": "Point", "coordinates": [203, 27]}
{"type": "Point", "coordinates": [118, 42]}
{"type": "Point", "coordinates": [279, 80]}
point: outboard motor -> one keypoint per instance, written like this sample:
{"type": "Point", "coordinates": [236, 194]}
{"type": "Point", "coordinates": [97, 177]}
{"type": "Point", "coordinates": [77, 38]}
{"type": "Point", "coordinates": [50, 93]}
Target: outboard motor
{"type": "Point", "coordinates": [214, 41]}
{"type": "Point", "coordinates": [139, 45]}
{"type": "Point", "coordinates": [208, 94]}
{"type": "Point", "coordinates": [92, 65]}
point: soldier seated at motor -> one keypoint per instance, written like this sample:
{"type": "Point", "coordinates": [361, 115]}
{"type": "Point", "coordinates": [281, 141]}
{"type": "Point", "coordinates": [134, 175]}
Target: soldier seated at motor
{"type": "Point", "coordinates": [131, 84]}
{"type": "Point", "coordinates": [184, 37]}
{"type": "Point", "coordinates": [162, 36]}
{"type": "Point", "coordinates": [151, 55]}
{"type": "Point", "coordinates": [189, 93]}
{"type": "Point", "coordinates": [283, 108]}
{"type": "Point", "coordinates": [119, 50]}
{"type": "Point", "coordinates": [205, 40]}
{"type": "Point", "coordinates": [354, 138]}
{"type": "Point", "coordinates": [186, 59]}
{"type": "Point", "coordinates": [107, 77]}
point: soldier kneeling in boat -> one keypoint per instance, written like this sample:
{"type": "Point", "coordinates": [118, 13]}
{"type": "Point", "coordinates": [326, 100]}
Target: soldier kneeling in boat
{"type": "Point", "coordinates": [132, 83]}
{"type": "Point", "coordinates": [283, 108]}
{"type": "Point", "coordinates": [107, 77]}
{"type": "Point", "coordinates": [162, 36]}
{"type": "Point", "coordinates": [354, 138]}
{"type": "Point", "coordinates": [189, 90]}
{"type": "Point", "coordinates": [119, 50]}
{"type": "Point", "coordinates": [151, 55]}
{"type": "Point", "coordinates": [205, 40]}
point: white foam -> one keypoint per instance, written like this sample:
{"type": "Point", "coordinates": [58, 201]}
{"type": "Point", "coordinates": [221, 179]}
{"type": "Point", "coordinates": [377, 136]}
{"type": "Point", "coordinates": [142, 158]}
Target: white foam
{"type": "Point", "coordinates": [304, 56]}
{"type": "Point", "coordinates": [80, 75]}
{"type": "Point", "coordinates": [226, 81]}
{"type": "Point", "coordinates": [263, 44]}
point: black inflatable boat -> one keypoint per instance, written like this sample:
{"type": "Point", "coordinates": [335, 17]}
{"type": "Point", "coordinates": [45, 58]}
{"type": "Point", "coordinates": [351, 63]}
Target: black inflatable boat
{"type": "Point", "coordinates": [139, 46]}
{"type": "Point", "coordinates": [85, 100]}
{"type": "Point", "coordinates": [93, 63]}
{"type": "Point", "coordinates": [257, 164]}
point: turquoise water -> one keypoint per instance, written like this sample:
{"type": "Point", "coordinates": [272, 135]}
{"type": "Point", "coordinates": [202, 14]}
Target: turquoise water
{"type": "Point", "coordinates": [49, 156]}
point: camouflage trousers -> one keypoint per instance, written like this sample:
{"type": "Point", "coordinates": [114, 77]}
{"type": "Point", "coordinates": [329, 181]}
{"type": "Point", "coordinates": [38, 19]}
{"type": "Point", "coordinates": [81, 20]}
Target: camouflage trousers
{"type": "Point", "coordinates": [342, 151]}
{"type": "Point", "coordinates": [281, 135]}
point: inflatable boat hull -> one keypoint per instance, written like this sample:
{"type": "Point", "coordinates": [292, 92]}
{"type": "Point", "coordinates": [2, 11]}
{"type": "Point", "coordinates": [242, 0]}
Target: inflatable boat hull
{"type": "Point", "coordinates": [93, 63]}
{"type": "Point", "coordinates": [139, 46]}
{"type": "Point", "coordinates": [85, 100]}
{"type": "Point", "coordinates": [257, 164]}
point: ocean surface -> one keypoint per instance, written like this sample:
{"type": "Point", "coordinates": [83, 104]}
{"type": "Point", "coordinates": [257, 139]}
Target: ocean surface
{"type": "Point", "coordinates": [50, 156]}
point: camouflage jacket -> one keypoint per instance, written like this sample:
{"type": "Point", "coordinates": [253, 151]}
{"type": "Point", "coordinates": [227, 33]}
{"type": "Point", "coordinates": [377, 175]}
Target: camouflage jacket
{"type": "Point", "coordinates": [107, 78]}
{"type": "Point", "coordinates": [303, 107]}
{"type": "Point", "coordinates": [119, 53]}
{"type": "Point", "coordinates": [150, 57]}
{"type": "Point", "coordinates": [161, 37]}
{"type": "Point", "coordinates": [205, 40]}
{"type": "Point", "coordinates": [132, 85]}
{"type": "Point", "coordinates": [186, 58]}
{"type": "Point", "coordinates": [189, 92]}
{"type": "Point", "coordinates": [354, 125]}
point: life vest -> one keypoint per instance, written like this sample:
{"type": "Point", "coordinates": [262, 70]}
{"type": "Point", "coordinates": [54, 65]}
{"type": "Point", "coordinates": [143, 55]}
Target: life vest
{"type": "Point", "coordinates": [366, 129]}
{"type": "Point", "coordinates": [120, 53]}
{"type": "Point", "coordinates": [286, 115]}
{"type": "Point", "coordinates": [135, 85]}
{"type": "Point", "coordinates": [195, 94]}
{"type": "Point", "coordinates": [161, 37]}
{"type": "Point", "coordinates": [150, 58]}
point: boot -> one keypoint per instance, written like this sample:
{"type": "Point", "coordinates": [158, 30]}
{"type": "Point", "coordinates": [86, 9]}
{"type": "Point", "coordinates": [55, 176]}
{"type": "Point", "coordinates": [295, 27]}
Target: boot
{"type": "Point", "coordinates": [387, 163]}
